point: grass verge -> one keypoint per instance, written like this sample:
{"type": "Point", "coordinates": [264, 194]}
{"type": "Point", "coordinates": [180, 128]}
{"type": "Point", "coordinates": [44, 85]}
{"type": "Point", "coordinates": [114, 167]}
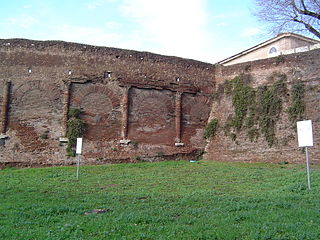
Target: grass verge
{"type": "Point", "coordinates": [166, 200]}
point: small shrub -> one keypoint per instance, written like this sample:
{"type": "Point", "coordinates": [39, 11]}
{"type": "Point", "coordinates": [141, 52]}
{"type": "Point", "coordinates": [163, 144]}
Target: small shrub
{"type": "Point", "coordinates": [199, 154]}
{"type": "Point", "coordinates": [45, 135]}
{"type": "Point", "coordinates": [74, 113]}
{"type": "Point", "coordinates": [211, 129]}
{"type": "Point", "coordinates": [280, 59]}
{"type": "Point", "coordinates": [74, 131]}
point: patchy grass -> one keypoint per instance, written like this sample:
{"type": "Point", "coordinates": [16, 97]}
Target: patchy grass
{"type": "Point", "coordinates": [167, 200]}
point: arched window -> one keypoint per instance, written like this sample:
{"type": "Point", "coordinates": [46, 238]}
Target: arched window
{"type": "Point", "coordinates": [272, 50]}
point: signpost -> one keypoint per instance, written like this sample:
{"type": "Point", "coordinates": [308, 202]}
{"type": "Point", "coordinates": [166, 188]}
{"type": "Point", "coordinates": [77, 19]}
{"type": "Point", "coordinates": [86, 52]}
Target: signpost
{"type": "Point", "coordinates": [78, 153]}
{"type": "Point", "coordinates": [305, 139]}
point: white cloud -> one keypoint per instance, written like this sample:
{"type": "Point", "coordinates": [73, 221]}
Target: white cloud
{"type": "Point", "coordinates": [251, 31]}
{"type": "Point", "coordinates": [23, 21]}
{"type": "Point", "coordinates": [98, 3]}
{"type": "Point", "coordinates": [176, 27]}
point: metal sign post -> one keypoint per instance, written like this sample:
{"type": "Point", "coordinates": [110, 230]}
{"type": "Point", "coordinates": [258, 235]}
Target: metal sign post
{"type": "Point", "coordinates": [305, 139]}
{"type": "Point", "coordinates": [78, 152]}
{"type": "Point", "coordinates": [308, 168]}
{"type": "Point", "coordinates": [78, 165]}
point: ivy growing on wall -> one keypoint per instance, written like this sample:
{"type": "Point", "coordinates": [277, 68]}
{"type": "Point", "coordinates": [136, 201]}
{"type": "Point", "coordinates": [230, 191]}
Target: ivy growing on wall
{"type": "Point", "coordinates": [211, 129]}
{"type": "Point", "coordinates": [242, 96]}
{"type": "Point", "coordinates": [269, 110]}
{"type": "Point", "coordinates": [255, 111]}
{"type": "Point", "coordinates": [297, 108]}
{"type": "Point", "coordinates": [75, 129]}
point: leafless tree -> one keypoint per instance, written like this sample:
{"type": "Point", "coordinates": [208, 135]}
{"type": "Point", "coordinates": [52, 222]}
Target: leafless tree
{"type": "Point", "coordinates": [290, 15]}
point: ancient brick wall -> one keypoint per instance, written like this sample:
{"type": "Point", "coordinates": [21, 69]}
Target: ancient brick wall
{"type": "Point", "coordinates": [139, 106]}
{"type": "Point", "coordinates": [303, 68]}
{"type": "Point", "coordinates": [136, 105]}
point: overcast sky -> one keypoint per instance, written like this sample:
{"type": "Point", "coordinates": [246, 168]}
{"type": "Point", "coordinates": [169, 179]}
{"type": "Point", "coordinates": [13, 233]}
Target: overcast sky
{"type": "Point", "coordinates": [205, 30]}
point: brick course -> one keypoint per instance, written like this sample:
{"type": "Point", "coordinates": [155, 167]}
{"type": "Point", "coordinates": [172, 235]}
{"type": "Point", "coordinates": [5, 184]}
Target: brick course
{"type": "Point", "coordinates": [125, 95]}
{"type": "Point", "coordinates": [136, 105]}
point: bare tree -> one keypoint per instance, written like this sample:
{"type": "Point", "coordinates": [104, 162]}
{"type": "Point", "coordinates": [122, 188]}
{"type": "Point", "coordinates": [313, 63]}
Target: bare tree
{"type": "Point", "coordinates": [290, 15]}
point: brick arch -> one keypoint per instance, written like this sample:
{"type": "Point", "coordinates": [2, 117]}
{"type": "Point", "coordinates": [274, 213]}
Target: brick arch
{"type": "Point", "coordinates": [155, 95]}
{"type": "Point", "coordinates": [35, 99]}
{"type": "Point", "coordinates": [101, 113]}
{"type": "Point", "coordinates": [48, 90]}
{"type": "Point", "coordinates": [151, 116]}
{"type": "Point", "coordinates": [84, 92]}
{"type": "Point", "coordinates": [195, 109]}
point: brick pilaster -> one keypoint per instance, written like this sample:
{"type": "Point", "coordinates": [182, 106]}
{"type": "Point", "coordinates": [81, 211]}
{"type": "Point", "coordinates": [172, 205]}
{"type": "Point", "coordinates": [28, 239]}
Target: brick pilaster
{"type": "Point", "coordinates": [178, 117]}
{"type": "Point", "coordinates": [4, 108]}
{"type": "Point", "coordinates": [125, 113]}
{"type": "Point", "coordinates": [66, 103]}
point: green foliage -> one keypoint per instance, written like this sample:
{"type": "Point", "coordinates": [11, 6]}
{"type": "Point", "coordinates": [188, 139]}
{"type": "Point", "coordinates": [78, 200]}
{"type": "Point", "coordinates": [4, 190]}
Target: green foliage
{"type": "Point", "coordinates": [280, 59]}
{"type": "Point", "coordinates": [163, 200]}
{"type": "Point", "coordinates": [256, 111]}
{"type": "Point", "coordinates": [243, 101]}
{"type": "Point", "coordinates": [211, 128]}
{"type": "Point", "coordinates": [45, 135]}
{"type": "Point", "coordinates": [253, 134]}
{"type": "Point", "coordinates": [74, 113]}
{"type": "Point", "coordinates": [74, 131]}
{"type": "Point", "coordinates": [270, 109]}
{"type": "Point", "coordinates": [242, 96]}
{"type": "Point", "coordinates": [199, 154]}
{"type": "Point", "coordinates": [297, 108]}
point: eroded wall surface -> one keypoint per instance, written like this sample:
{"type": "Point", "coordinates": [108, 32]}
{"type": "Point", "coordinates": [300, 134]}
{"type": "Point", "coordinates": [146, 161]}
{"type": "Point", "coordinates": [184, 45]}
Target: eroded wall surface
{"type": "Point", "coordinates": [136, 105]}
{"type": "Point", "coordinates": [139, 106]}
{"type": "Point", "coordinates": [303, 68]}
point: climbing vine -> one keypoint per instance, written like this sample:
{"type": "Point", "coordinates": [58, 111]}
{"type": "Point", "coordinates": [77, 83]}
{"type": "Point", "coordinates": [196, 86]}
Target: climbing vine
{"type": "Point", "coordinates": [211, 129]}
{"type": "Point", "coordinates": [297, 108]}
{"type": "Point", "coordinates": [256, 111]}
{"type": "Point", "coordinates": [269, 110]}
{"type": "Point", "coordinates": [75, 129]}
{"type": "Point", "coordinates": [242, 96]}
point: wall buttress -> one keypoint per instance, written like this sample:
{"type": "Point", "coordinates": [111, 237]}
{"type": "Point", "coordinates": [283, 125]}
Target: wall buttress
{"type": "Point", "coordinates": [5, 106]}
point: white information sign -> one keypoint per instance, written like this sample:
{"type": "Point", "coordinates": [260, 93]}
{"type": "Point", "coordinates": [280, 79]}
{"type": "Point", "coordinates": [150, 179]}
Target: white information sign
{"type": "Point", "coordinates": [79, 146]}
{"type": "Point", "coordinates": [305, 136]}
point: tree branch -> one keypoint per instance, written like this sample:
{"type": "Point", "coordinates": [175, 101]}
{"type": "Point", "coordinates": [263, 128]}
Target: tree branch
{"type": "Point", "coordinates": [290, 15]}
{"type": "Point", "coordinates": [308, 27]}
{"type": "Point", "coordinates": [305, 11]}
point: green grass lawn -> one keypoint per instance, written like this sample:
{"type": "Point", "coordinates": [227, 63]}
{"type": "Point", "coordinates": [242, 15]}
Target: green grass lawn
{"type": "Point", "coordinates": [166, 200]}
